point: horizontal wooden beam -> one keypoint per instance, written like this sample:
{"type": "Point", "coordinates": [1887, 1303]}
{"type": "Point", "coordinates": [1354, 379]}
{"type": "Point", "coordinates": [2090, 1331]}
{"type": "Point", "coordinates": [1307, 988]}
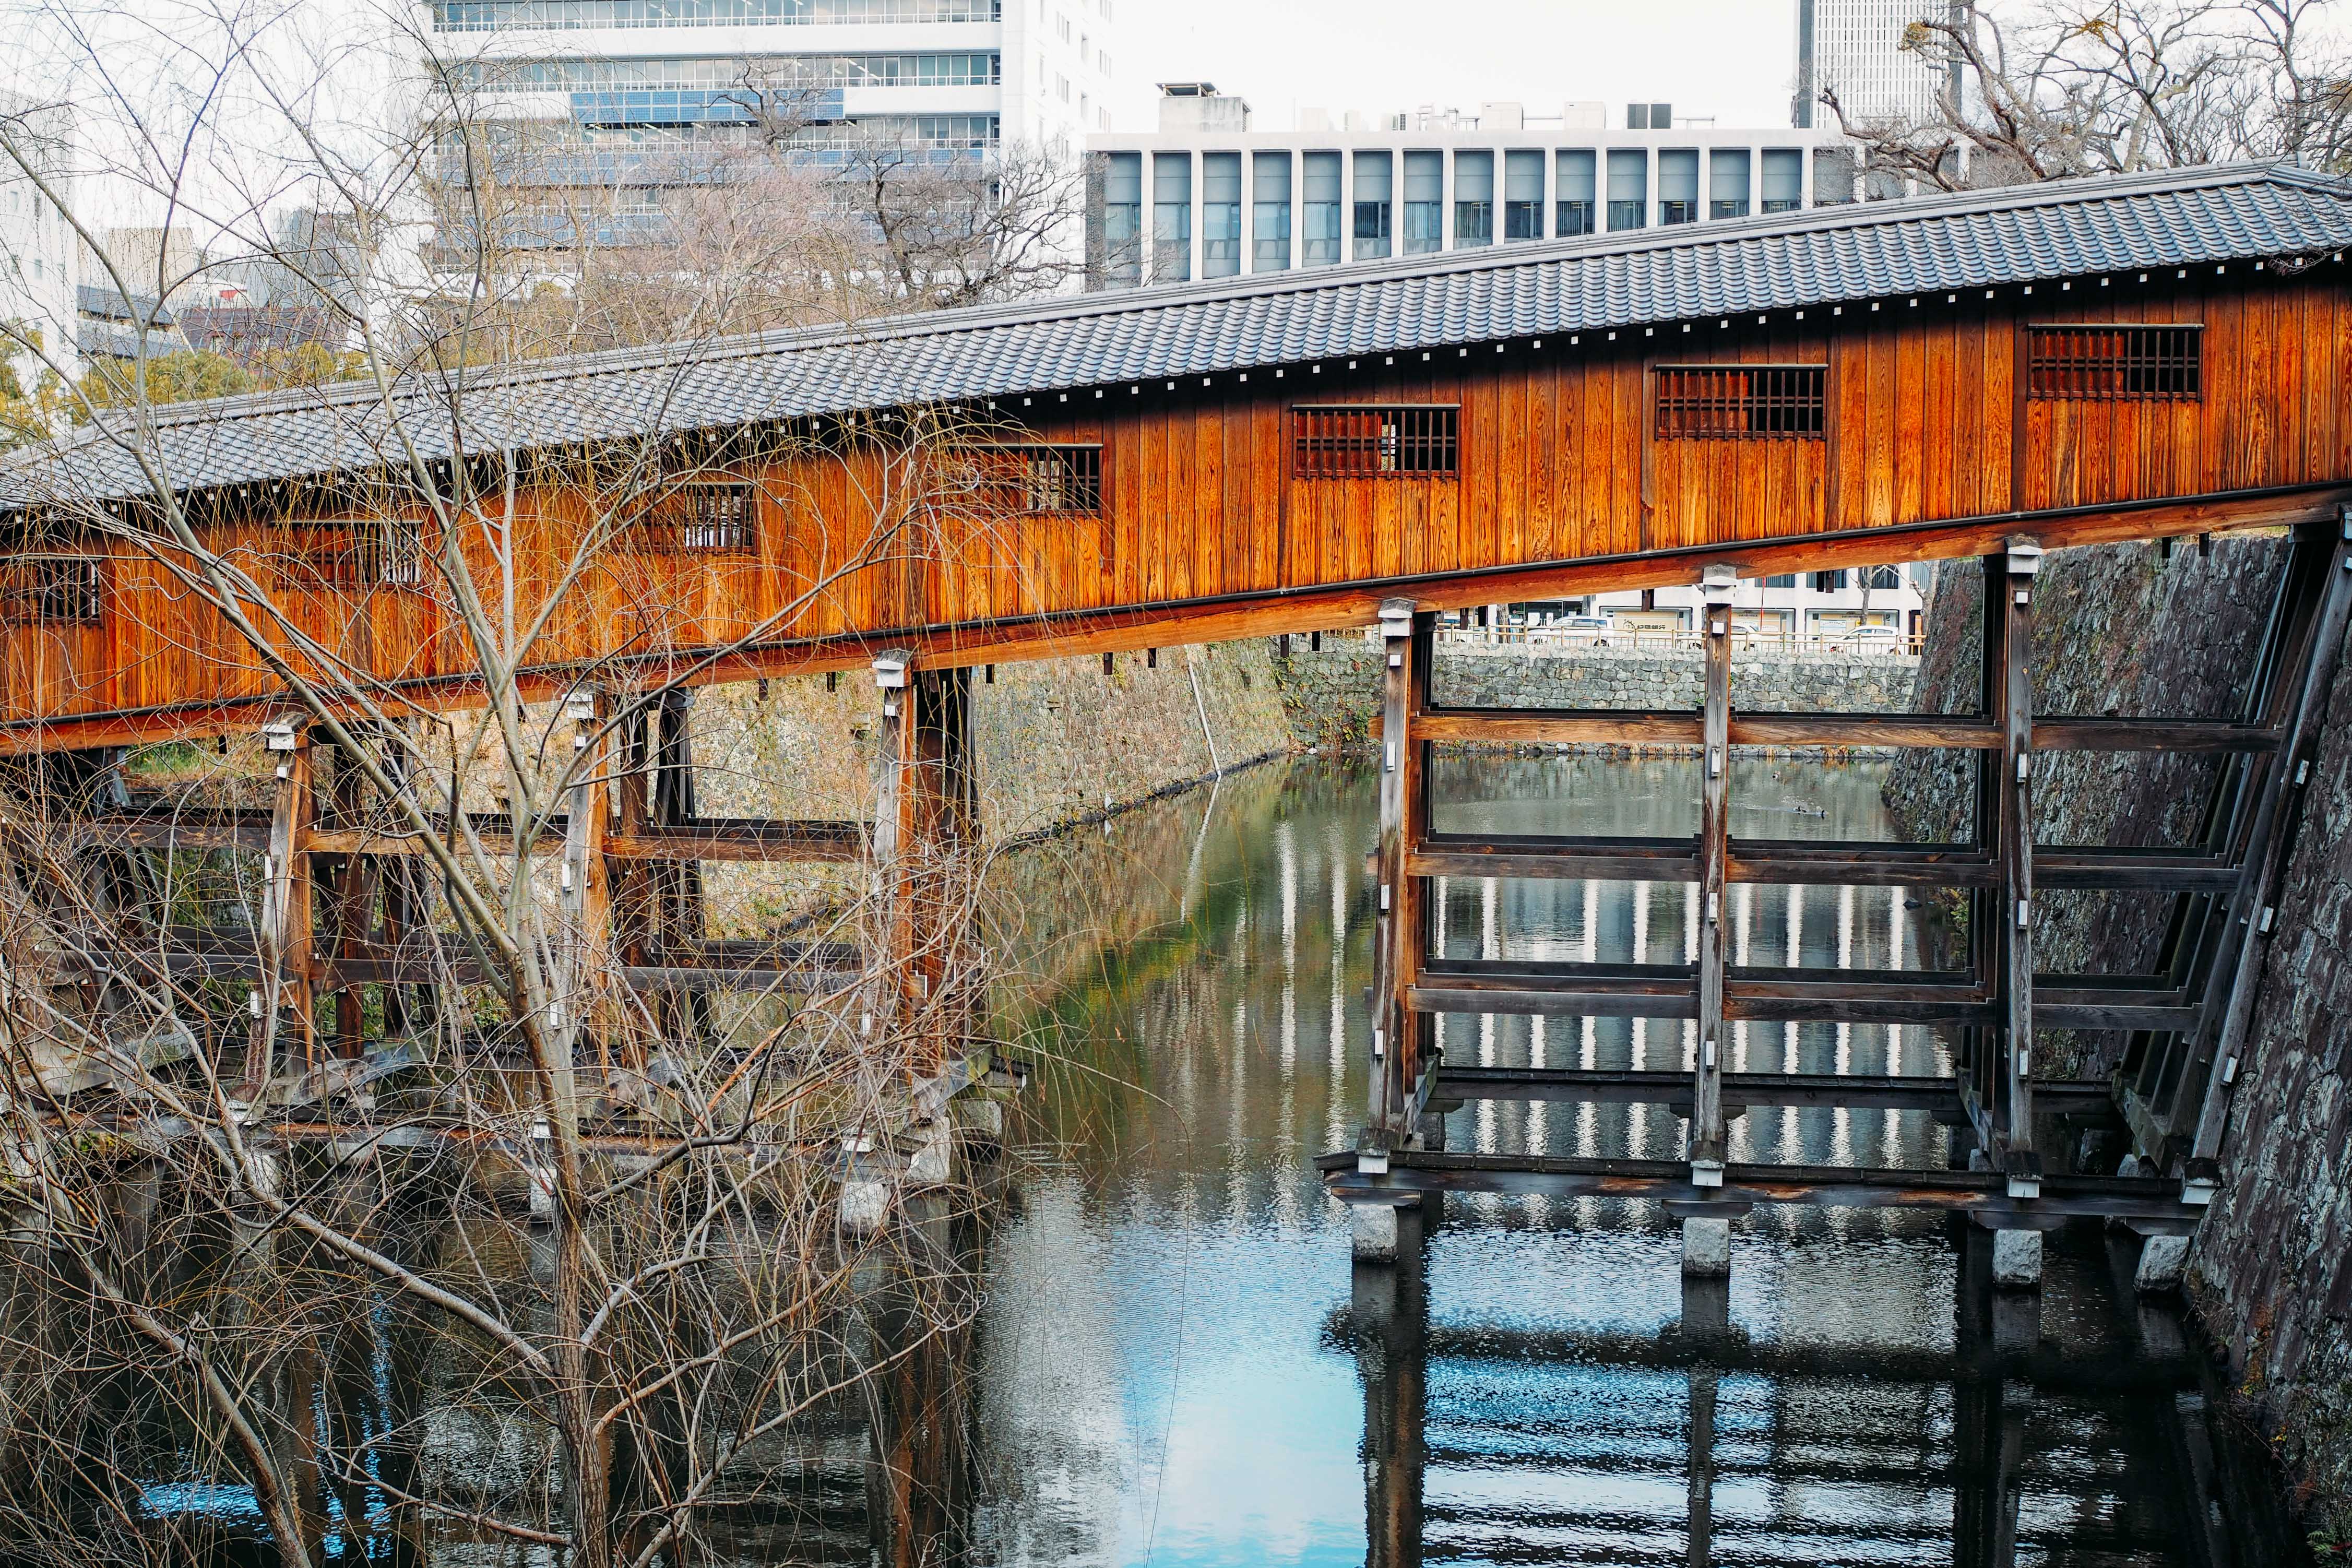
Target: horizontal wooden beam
{"type": "Point", "coordinates": [1983, 1193]}
{"type": "Point", "coordinates": [1853, 1092]}
{"type": "Point", "coordinates": [1161, 624]}
{"type": "Point", "coordinates": [1803, 863]}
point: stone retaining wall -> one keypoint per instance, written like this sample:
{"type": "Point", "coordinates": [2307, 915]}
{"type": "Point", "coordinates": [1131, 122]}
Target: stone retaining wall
{"type": "Point", "coordinates": [1333, 693]}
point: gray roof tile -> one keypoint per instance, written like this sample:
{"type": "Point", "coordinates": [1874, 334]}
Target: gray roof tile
{"type": "Point", "coordinates": [1978, 240]}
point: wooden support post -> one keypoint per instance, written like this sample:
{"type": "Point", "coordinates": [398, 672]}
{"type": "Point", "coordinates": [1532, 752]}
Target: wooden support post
{"type": "Point", "coordinates": [587, 900]}
{"type": "Point", "coordinates": [1394, 928]}
{"type": "Point", "coordinates": [286, 920]}
{"type": "Point", "coordinates": [1715, 850]}
{"type": "Point", "coordinates": [351, 900]}
{"type": "Point", "coordinates": [927, 819]}
{"type": "Point", "coordinates": [2250, 916]}
{"type": "Point", "coordinates": [2019, 1161]}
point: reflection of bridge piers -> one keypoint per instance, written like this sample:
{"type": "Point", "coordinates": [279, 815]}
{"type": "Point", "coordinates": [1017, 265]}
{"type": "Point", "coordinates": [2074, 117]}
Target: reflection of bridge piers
{"type": "Point", "coordinates": [1915, 1451]}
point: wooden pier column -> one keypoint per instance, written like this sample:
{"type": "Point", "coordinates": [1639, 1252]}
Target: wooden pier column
{"type": "Point", "coordinates": [927, 819]}
{"type": "Point", "coordinates": [2016, 1116]}
{"type": "Point", "coordinates": [350, 887]}
{"type": "Point", "coordinates": [1706, 1139]}
{"type": "Point", "coordinates": [287, 922]}
{"type": "Point", "coordinates": [1400, 931]}
{"type": "Point", "coordinates": [586, 885]}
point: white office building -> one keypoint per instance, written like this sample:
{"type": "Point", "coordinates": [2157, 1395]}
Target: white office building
{"type": "Point", "coordinates": [1800, 609]}
{"type": "Point", "coordinates": [1855, 47]}
{"type": "Point", "coordinates": [39, 251]}
{"type": "Point", "coordinates": [1208, 195]}
{"type": "Point", "coordinates": [954, 73]}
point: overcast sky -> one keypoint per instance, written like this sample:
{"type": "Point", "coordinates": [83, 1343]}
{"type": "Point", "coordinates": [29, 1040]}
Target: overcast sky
{"type": "Point", "coordinates": [1734, 59]}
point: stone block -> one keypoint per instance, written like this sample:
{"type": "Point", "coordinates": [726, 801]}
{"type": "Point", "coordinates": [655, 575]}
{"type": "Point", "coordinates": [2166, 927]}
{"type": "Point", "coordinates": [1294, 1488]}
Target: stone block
{"type": "Point", "coordinates": [2162, 1261]}
{"type": "Point", "coordinates": [1373, 1233]}
{"type": "Point", "coordinates": [1706, 1247]}
{"type": "Point", "coordinates": [865, 1207]}
{"type": "Point", "coordinates": [2017, 1259]}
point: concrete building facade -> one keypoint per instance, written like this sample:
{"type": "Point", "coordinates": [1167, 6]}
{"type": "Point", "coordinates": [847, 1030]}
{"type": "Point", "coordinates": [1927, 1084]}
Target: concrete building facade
{"type": "Point", "coordinates": [39, 252]}
{"type": "Point", "coordinates": [1208, 195]}
{"type": "Point", "coordinates": [1854, 46]}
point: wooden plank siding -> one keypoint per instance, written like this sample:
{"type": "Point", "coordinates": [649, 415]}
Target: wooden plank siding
{"type": "Point", "coordinates": [1561, 461]}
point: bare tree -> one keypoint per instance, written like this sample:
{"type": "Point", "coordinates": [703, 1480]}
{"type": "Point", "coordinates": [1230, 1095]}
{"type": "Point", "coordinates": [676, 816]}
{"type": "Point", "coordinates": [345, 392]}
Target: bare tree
{"type": "Point", "coordinates": [2057, 88]}
{"type": "Point", "coordinates": [600, 1215]}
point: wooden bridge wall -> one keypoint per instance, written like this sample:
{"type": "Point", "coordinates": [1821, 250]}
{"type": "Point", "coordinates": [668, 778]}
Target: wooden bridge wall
{"type": "Point", "coordinates": [1558, 461]}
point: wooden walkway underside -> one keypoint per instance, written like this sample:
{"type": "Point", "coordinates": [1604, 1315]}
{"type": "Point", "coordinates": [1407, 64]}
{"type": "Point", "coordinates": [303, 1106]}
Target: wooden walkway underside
{"type": "Point", "coordinates": [2186, 1021]}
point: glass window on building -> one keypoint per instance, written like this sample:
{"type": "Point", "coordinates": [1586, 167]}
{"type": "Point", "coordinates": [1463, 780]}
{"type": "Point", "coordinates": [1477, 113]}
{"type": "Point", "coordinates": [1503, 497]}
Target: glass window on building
{"type": "Point", "coordinates": [1375, 201]}
{"type": "Point", "coordinates": [1270, 212]}
{"type": "Point", "coordinates": [1319, 199]}
{"type": "Point", "coordinates": [1523, 195]}
{"type": "Point", "coordinates": [1473, 198]}
{"type": "Point", "coordinates": [1573, 171]}
{"type": "Point", "coordinates": [1221, 213]}
{"type": "Point", "coordinates": [1678, 185]}
{"type": "Point", "coordinates": [1629, 187]}
{"type": "Point", "coordinates": [1171, 218]}
{"type": "Point", "coordinates": [1727, 183]}
{"type": "Point", "coordinates": [1424, 203]}
{"type": "Point", "coordinates": [1123, 219]}
{"type": "Point", "coordinates": [1784, 179]}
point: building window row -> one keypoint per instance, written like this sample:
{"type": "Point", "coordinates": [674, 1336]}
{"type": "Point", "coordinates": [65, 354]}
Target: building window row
{"type": "Point", "coordinates": [976, 68]}
{"type": "Point", "coordinates": [1318, 208]}
{"type": "Point", "coordinates": [497, 15]}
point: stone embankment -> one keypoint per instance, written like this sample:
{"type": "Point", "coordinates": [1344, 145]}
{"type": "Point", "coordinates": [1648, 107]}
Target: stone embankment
{"type": "Point", "coordinates": [1333, 693]}
{"type": "Point", "coordinates": [2127, 630]}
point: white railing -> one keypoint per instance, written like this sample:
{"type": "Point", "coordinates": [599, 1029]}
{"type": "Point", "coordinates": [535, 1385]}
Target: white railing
{"type": "Point", "coordinates": [1568, 640]}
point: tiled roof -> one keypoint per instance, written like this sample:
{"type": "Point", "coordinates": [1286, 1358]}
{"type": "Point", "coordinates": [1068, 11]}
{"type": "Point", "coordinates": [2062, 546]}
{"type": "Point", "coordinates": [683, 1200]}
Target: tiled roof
{"type": "Point", "coordinates": [1978, 240]}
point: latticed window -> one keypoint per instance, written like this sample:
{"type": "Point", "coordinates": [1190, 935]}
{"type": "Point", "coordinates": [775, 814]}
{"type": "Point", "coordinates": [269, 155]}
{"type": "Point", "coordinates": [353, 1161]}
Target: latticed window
{"type": "Point", "coordinates": [696, 518]}
{"type": "Point", "coordinates": [340, 555]}
{"type": "Point", "coordinates": [1382, 441]}
{"type": "Point", "coordinates": [1742, 402]}
{"type": "Point", "coordinates": [2114, 362]}
{"type": "Point", "coordinates": [1037, 477]}
{"type": "Point", "coordinates": [53, 590]}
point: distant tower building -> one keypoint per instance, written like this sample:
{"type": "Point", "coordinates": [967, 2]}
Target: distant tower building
{"type": "Point", "coordinates": [1854, 46]}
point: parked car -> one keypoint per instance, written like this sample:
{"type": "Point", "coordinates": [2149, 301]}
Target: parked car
{"type": "Point", "coordinates": [1872, 639]}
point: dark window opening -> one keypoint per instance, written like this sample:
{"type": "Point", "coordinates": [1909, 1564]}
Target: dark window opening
{"type": "Point", "coordinates": [329, 556]}
{"type": "Point", "coordinates": [1677, 212]}
{"type": "Point", "coordinates": [1784, 580]}
{"type": "Point", "coordinates": [1574, 217]}
{"type": "Point", "coordinates": [2114, 362]}
{"type": "Point", "coordinates": [1038, 480]}
{"type": "Point", "coordinates": [1876, 577]}
{"type": "Point", "coordinates": [55, 590]}
{"type": "Point", "coordinates": [1742, 401]}
{"type": "Point", "coordinates": [1829, 582]}
{"type": "Point", "coordinates": [697, 518]}
{"type": "Point", "coordinates": [1357, 441]}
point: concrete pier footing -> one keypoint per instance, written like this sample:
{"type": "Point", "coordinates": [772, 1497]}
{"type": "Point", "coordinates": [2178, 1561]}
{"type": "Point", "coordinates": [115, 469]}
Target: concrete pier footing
{"type": "Point", "coordinates": [1372, 1232]}
{"type": "Point", "coordinates": [1706, 1247]}
{"type": "Point", "coordinates": [865, 1207]}
{"type": "Point", "coordinates": [2017, 1259]}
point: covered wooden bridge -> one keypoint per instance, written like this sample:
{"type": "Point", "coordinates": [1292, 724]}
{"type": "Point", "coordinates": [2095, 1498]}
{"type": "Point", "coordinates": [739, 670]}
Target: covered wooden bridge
{"type": "Point", "coordinates": [1989, 376]}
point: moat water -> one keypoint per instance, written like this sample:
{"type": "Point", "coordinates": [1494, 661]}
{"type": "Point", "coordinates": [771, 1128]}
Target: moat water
{"type": "Point", "coordinates": [1180, 1365]}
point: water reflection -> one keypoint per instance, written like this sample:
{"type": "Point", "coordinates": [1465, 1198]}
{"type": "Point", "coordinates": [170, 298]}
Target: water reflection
{"type": "Point", "coordinates": [1178, 1364]}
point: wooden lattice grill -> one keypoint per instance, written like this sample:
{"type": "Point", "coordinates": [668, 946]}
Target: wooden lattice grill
{"type": "Point", "coordinates": [52, 590]}
{"type": "Point", "coordinates": [1741, 402]}
{"type": "Point", "coordinates": [696, 518]}
{"type": "Point", "coordinates": [1037, 478]}
{"type": "Point", "coordinates": [2111, 363]}
{"type": "Point", "coordinates": [1365, 440]}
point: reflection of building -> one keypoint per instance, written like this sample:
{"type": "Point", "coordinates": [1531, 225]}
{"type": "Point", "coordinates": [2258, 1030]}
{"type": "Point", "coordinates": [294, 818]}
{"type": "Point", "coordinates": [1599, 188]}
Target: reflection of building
{"type": "Point", "coordinates": [1206, 196]}
{"type": "Point", "coordinates": [1804, 605]}
{"type": "Point", "coordinates": [40, 254]}
{"type": "Point", "coordinates": [641, 97]}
